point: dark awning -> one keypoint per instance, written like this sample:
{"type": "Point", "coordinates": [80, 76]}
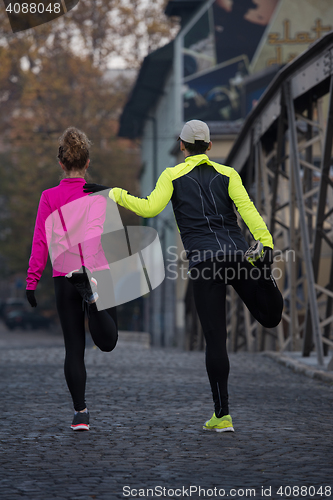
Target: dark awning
{"type": "Point", "coordinates": [184, 9]}
{"type": "Point", "coordinates": [146, 92]}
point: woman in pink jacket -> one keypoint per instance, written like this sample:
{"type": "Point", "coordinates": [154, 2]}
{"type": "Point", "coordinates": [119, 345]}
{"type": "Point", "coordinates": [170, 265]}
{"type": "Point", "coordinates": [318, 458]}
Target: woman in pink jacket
{"type": "Point", "coordinates": [69, 226]}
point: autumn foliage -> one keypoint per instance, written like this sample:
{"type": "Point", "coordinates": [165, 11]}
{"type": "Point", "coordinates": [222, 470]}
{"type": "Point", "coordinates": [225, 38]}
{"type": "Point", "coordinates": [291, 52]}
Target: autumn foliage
{"type": "Point", "coordinates": [52, 77]}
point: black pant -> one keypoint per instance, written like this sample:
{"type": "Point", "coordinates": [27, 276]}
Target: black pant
{"type": "Point", "coordinates": [261, 296]}
{"type": "Point", "coordinates": [102, 326]}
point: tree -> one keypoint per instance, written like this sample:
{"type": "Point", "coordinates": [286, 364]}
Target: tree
{"type": "Point", "coordinates": [53, 76]}
{"type": "Point", "coordinates": [69, 91]}
{"type": "Point", "coordinates": [100, 30]}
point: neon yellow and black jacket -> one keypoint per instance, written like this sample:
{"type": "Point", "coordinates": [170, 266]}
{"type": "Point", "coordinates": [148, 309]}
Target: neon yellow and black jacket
{"type": "Point", "coordinates": [202, 193]}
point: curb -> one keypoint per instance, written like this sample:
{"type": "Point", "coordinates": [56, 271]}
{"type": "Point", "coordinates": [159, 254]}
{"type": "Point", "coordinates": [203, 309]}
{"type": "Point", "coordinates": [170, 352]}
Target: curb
{"type": "Point", "coordinates": [142, 338]}
{"type": "Point", "coordinates": [298, 367]}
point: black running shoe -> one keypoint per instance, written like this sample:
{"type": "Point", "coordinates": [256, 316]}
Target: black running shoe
{"type": "Point", "coordinates": [85, 285]}
{"type": "Point", "coordinates": [80, 422]}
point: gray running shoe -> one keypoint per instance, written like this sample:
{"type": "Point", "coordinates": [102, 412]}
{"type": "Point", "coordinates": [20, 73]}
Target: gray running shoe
{"type": "Point", "coordinates": [80, 422]}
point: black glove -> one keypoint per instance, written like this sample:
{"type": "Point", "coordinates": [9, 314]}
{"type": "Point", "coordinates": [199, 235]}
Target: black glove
{"type": "Point", "coordinates": [96, 188]}
{"type": "Point", "coordinates": [31, 297]}
{"type": "Point", "coordinates": [266, 259]}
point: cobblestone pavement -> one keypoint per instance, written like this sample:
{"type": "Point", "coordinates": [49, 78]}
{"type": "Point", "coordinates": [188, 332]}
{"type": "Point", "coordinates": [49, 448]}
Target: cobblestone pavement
{"type": "Point", "coordinates": [147, 409]}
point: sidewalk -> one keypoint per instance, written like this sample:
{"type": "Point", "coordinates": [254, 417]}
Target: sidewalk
{"type": "Point", "coordinates": [306, 365]}
{"type": "Point", "coordinates": [147, 408]}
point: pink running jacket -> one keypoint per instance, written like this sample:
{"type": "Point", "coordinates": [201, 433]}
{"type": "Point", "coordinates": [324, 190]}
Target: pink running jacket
{"type": "Point", "coordinates": [69, 226]}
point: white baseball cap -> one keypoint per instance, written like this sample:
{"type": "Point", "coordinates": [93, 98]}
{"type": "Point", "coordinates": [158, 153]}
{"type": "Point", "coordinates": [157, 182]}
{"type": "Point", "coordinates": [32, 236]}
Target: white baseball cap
{"type": "Point", "coordinates": [195, 130]}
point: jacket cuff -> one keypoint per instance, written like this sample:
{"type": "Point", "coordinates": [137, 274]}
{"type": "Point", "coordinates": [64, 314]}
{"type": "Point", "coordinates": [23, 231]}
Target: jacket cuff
{"type": "Point", "coordinates": [115, 194]}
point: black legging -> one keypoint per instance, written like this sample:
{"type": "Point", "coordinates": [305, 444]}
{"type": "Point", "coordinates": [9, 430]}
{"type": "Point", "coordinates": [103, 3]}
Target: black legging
{"type": "Point", "coordinates": [102, 326]}
{"type": "Point", "coordinates": [261, 296]}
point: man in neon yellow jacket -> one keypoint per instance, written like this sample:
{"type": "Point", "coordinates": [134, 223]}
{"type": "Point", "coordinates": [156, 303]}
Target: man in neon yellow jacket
{"type": "Point", "coordinates": [203, 195]}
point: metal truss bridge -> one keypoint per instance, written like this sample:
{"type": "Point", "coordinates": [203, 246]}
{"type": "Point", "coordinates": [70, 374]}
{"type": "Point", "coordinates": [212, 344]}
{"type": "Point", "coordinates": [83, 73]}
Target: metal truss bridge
{"type": "Point", "coordinates": [284, 155]}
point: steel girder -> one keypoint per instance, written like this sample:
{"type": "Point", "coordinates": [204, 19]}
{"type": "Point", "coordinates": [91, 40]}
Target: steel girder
{"type": "Point", "coordinates": [284, 155]}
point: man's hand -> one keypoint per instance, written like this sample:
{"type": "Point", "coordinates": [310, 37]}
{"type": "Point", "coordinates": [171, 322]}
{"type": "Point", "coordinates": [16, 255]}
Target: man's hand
{"type": "Point", "coordinates": [31, 297]}
{"type": "Point", "coordinates": [266, 259]}
{"type": "Point", "coordinates": [96, 188]}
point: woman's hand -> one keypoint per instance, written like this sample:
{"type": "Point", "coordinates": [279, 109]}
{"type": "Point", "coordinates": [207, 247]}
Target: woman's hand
{"type": "Point", "coordinates": [96, 188]}
{"type": "Point", "coordinates": [31, 297]}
